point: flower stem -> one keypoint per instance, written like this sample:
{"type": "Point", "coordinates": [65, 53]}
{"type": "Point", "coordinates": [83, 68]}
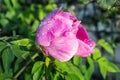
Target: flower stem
{"type": "Point", "coordinates": [25, 66]}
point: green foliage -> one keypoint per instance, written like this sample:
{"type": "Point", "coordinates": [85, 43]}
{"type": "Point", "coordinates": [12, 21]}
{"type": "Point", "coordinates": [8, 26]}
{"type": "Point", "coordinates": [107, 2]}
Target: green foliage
{"type": "Point", "coordinates": [69, 69]}
{"type": "Point", "coordinates": [7, 58]}
{"type": "Point", "coordinates": [106, 46]}
{"type": "Point", "coordinates": [106, 66]}
{"type": "Point", "coordinates": [38, 70]}
{"type": "Point", "coordinates": [106, 3]}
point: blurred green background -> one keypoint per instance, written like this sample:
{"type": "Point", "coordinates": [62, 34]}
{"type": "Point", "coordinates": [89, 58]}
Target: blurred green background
{"type": "Point", "coordinates": [21, 58]}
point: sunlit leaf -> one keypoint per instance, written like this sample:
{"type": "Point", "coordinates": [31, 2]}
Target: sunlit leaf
{"type": "Point", "coordinates": [41, 14]}
{"type": "Point", "coordinates": [37, 70]}
{"type": "Point", "coordinates": [106, 46]}
{"type": "Point", "coordinates": [47, 61]}
{"type": "Point", "coordinates": [90, 69]}
{"type": "Point", "coordinates": [103, 70]}
{"type": "Point", "coordinates": [77, 60]}
{"type": "Point", "coordinates": [71, 77]}
{"type": "Point", "coordinates": [106, 66]}
{"type": "Point", "coordinates": [15, 3]}
{"type": "Point", "coordinates": [96, 54]}
{"type": "Point", "coordinates": [35, 25]}
{"type": "Point", "coordinates": [22, 42]}
{"type": "Point", "coordinates": [12, 12]}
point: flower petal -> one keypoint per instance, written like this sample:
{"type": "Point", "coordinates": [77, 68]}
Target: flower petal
{"type": "Point", "coordinates": [85, 49]}
{"type": "Point", "coordinates": [62, 48]}
{"type": "Point", "coordinates": [82, 33]}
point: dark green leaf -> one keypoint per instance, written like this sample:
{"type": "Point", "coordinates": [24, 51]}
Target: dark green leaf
{"type": "Point", "coordinates": [57, 76]}
{"type": "Point", "coordinates": [69, 68]}
{"type": "Point", "coordinates": [7, 58]}
{"type": "Point", "coordinates": [2, 46]}
{"type": "Point", "coordinates": [28, 76]}
{"type": "Point", "coordinates": [4, 22]}
{"type": "Point", "coordinates": [18, 52]}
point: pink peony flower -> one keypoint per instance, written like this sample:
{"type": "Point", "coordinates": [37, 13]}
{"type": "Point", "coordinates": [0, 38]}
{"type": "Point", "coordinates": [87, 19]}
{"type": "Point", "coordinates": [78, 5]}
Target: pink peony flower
{"type": "Point", "coordinates": [62, 36]}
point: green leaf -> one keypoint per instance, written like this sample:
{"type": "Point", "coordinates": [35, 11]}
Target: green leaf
{"type": "Point", "coordinates": [12, 12]}
{"type": "Point", "coordinates": [18, 52]}
{"type": "Point", "coordinates": [35, 25]}
{"type": "Point", "coordinates": [106, 66]}
{"type": "Point", "coordinates": [106, 3]}
{"type": "Point", "coordinates": [38, 70]}
{"type": "Point", "coordinates": [90, 69]}
{"type": "Point", "coordinates": [57, 76]}
{"type": "Point", "coordinates": [106, 46]}
{"type": "Point", "coordinates": [2, 46]}
{"type": "Point", "coordinates": [4, 22]}
{"type": "Point", "coordinates": [36, 66]}
{"type": "Point", "coordinates": [96, 54]}
{"type": "Point", "coordinates": [7, 58]}
{"type": "Point", "coordinates": [41, 14]}
{"type": "Point", "coordinates": [28, 76]}
{"type": "Point", "coordinates": [71, 77]}
{"type": "Point", "coordinates": [103, 66]}
{"type": "Point", "coordinates": [4, 77]}
{"type": "Point", "coordinates": [8, 4]}
{"type": "Point", "coordinates": [103, 70]}
{"type": "Point", "coordinates": [112, 67]}
{"type": "Point", "coordinates": [15, 4]}
{"type": "Point", "coordinates": [22, 42]}
{"type": "Point", "coordinates": [83, 68]}
{"type": "Point", "coordinates": [17, 64]}
{"type": "Point", "coordinates": [77, 60]}
{"type": "Point", "coordinates": [69, 68]}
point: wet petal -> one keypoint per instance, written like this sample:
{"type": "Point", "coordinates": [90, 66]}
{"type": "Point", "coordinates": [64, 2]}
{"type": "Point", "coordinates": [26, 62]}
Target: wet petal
{"type": "Point", "coordinates": [63, 48]}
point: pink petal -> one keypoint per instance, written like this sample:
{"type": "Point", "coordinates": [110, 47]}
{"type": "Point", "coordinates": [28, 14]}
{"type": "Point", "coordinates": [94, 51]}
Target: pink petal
{"type": "Point", "coordinates": [62, 48]}
{"type": "Point", "coordinates": [82, 33]}
{"type": "Point", "coordinates": [85, 48]}
{"type": "Point", "coordinates": [44, 36]}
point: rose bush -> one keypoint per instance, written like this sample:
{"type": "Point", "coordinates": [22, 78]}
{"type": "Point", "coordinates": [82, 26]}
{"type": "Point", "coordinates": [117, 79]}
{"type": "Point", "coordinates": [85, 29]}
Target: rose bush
{"type": "Point", "coordinates": [62, 36]}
